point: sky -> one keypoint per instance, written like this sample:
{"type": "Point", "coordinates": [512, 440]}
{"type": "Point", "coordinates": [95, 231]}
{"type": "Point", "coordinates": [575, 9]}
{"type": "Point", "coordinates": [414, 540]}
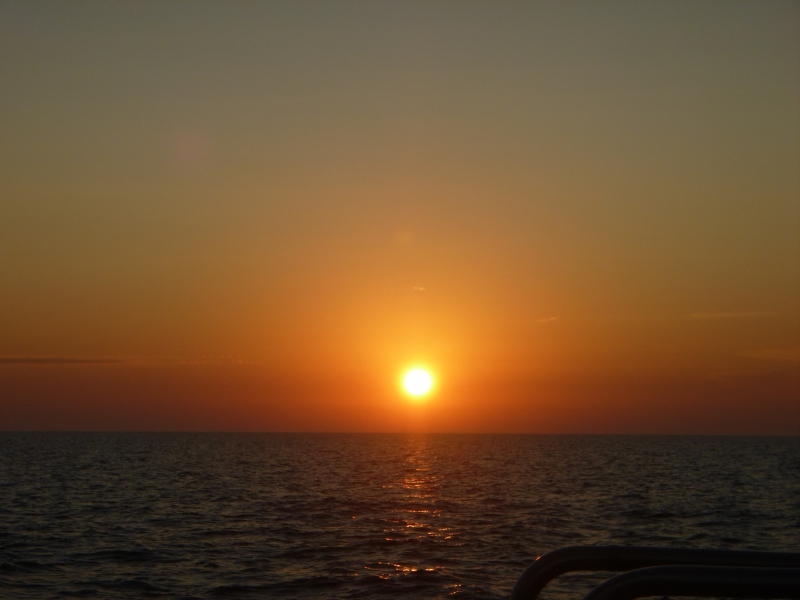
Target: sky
{"type": "Point", "coordinates": [581, 217]}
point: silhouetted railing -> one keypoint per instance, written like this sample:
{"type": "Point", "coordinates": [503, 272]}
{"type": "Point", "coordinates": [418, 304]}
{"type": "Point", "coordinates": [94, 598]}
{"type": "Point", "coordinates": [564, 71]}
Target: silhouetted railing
{"type": "Point", "coordinates": [726, 582]}
{"type": "Point", "coordinates": [627, 558]}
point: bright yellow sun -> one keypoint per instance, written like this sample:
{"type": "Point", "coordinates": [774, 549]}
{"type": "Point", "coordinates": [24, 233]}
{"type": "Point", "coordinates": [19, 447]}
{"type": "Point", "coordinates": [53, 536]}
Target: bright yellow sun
{"type": "Point", "coordinates": [418, 382]}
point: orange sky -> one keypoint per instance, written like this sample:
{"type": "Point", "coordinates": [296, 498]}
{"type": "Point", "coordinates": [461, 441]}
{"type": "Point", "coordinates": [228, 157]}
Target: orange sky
{"type": "Point", "coordinates": [583, 217]}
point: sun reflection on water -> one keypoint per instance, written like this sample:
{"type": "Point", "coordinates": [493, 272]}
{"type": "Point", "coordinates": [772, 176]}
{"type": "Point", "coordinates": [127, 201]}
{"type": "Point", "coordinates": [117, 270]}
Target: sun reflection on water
{"type": "Point", "coordinates": [414, 519]}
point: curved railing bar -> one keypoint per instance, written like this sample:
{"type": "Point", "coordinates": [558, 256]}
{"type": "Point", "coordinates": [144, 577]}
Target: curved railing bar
{"type": "Point", "coordinates": [626, 558]}
{"type": "Point", "coordinates": [719, 582]}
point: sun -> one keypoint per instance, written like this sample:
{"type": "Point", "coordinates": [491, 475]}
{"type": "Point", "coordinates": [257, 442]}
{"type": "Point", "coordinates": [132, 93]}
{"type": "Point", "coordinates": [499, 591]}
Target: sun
{"type": "Point", "coordinates": [417, 382]}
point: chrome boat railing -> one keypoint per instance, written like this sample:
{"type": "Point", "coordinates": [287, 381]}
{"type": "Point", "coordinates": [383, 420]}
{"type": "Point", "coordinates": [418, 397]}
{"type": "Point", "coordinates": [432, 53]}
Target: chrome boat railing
{"type": "Point", "coordinates": [666, 567]}
{"type": "Point", "coordinates": [724, 582]}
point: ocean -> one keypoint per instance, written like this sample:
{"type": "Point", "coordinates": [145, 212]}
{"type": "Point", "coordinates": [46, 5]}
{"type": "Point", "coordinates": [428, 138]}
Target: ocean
{"type": "Point", "coordinates": [129, 515]}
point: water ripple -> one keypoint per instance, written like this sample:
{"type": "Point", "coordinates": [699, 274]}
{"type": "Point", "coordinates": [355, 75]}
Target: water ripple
{"type": "Point", "coordinates": [350, 516]}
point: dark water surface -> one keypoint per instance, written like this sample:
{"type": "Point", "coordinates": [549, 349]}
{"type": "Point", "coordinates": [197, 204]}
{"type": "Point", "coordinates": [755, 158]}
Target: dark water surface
{"type": "Point", "coordinates": [367, 516]}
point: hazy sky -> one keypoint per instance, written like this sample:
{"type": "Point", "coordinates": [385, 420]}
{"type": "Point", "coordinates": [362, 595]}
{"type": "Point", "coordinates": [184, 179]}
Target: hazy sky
{"type": "Point", "coordinates": [581, 216]}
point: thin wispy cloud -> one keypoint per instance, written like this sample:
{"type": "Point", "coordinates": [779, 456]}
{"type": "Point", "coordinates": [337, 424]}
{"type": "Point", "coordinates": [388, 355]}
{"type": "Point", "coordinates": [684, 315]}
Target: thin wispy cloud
{"type": "Point", "coordinates": [779, 354]}
{"type": "Point", "coordinates": [205, 360]}
{"type": "Point", "coordinates": [24, 360]}
{"type": "Point", "coordinates": [730, 315]}
{"type": "Point", "coordinates": [547, 320]}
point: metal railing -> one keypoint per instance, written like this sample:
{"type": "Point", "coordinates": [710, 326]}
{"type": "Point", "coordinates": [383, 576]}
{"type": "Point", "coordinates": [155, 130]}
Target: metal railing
{"type": "Point", "coordinates": [739, 563]}
{"type": "Point", "coordinates": [726, 582]}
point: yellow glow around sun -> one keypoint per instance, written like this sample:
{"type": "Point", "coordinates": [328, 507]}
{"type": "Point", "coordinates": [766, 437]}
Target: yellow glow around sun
{"type": "Point", "coordinates": [417, 382]}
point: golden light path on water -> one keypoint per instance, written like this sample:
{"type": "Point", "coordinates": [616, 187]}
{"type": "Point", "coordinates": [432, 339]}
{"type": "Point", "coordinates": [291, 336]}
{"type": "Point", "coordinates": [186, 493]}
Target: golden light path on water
{"type": "Point", "coordinates": [414, 518]}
